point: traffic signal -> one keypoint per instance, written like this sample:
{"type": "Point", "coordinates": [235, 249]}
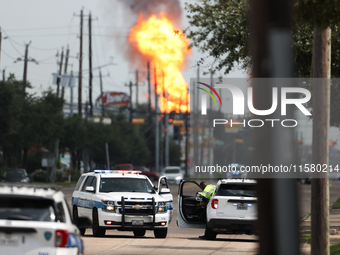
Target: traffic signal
{"type": "Point", "coordinates": [332, 143]}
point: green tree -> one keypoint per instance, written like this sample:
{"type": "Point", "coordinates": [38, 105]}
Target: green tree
{"type": "Point", "coordinates": [27, 121]}
{"type": "Point", "coordinates": [220, 29]}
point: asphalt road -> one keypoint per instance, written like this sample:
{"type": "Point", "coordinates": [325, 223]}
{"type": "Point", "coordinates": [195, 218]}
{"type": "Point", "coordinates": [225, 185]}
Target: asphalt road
{"type": "Point", "coordinates": [184, 241]}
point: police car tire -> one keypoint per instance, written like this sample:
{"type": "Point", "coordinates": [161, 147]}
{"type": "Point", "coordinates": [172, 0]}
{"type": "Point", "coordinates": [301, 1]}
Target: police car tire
{"type": "Point", "coordinates": [209, 234]}
{"type": "Point", "coordinates": [96, 229]}
{"type": "Point", "coordinates": [161, 232]}
{"type": "Point", "coordinates": [75, 219]}
{"type": "Point", "coordinates": [139, 232]}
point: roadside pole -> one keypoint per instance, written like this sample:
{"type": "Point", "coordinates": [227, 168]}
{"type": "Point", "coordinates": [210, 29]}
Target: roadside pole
{"type": "Point", "coordinates": [272, 58]}
{"type": "Point", "coordinates": [107, 156]}
{"type": "Point", "coordinates": [320, 147]}
{"type": "Point", "coordinates": [157, 126]}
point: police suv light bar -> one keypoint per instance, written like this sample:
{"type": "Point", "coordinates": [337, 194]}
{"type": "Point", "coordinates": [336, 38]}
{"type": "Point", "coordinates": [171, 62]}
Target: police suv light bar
{"type": "Point", "coordinates": [117, 172]}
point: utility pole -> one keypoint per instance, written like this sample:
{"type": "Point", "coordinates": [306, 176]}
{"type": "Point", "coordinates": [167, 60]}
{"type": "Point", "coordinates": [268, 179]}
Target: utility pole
{"type": "Point", "coordinates": [101, 93]}
{"type": "Point", "coordinates": [0, 41]}
{"type": "Point", "coordinates": [3, 75]}
{"type": "Point", "coordinates": [149, 91]}
{"type": "Point", "coordinates": [25, 66]}
{"type": "Point", "coordinates": [107, 156]}
{"type": "Point", "coordinates": [60, 70]}
{"type": "Point", "coordinates": [131, 109]}
{"type": "Point", "coordinates": [26, 59]}
{"type": "Point", "coordinates": [90, 65]}
{"type": "Point", "coordinates": [136, 89]}
{"type": "Point", "coordinates": [80, 64]}
{"type": "Point", "coordinates": [157, 126]}
{"type": "Point", "coordinates": [195, 112]}
{"type": "Point", "coordinates": [209, 128]}
{"type": "Point", "coordinates": [71, 95]}
{"type": "Point", "coordinates": [278, 223]}
{"type": "Point", "coordinates": [65, 70]}
{"type": "Point", "coordinates": [320, 147]}
{"type": "Point", "coordinates": [165, 95]}
{"type": "Point", "coordinates": [187, 133]}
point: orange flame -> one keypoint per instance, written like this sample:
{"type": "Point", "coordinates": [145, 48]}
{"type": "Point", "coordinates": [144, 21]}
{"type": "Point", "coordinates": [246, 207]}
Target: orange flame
{"type": "Point", "coordinates": [162, 44]}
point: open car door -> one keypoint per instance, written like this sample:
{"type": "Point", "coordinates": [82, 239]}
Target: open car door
{"type": "Point", "coordinates": [164, 191]}
{"type": "Point", "coordinates": [190, 213]}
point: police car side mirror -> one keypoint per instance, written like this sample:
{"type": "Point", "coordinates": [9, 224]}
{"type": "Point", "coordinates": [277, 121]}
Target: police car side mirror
{"type": "Point", "coordinates": [89, 189]}
{"type": "Point", "coordinates": [164, 191]}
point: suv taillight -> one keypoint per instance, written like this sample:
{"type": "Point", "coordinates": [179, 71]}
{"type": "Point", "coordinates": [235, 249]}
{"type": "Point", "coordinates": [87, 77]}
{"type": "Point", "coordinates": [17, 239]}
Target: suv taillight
{"type": "Point", "coordinates": [214, 203]}
{"type": "Point", "coordinates": [61, 238]}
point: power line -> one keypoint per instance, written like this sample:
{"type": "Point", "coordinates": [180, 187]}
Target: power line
{"type": "Point", "coordinates": [7, 54]}
{"type": "Point", "coordinates": [40, 28]}
{"type": "Point", "coordinates": [10, 41]}
{"type": "Point", "coordinates": [41, 60]}
{"type": "Point", "coordinates": [40, 35]}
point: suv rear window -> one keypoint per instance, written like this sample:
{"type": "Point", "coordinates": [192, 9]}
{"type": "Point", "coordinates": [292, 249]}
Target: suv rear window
{"type": "Point", "coordinates": [237, 189]}
{"type": "Point", "coordinates": [26, 208]}
{"type": "Point", "coordinates": [125, 185]}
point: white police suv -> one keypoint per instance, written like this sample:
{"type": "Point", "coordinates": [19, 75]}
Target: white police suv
{"type": "Point", "coordinates": [123, 200]}
{"type": "Point", "coordinates": [232, 208]}
{"type": "Point", "coordinates": [36, 220]}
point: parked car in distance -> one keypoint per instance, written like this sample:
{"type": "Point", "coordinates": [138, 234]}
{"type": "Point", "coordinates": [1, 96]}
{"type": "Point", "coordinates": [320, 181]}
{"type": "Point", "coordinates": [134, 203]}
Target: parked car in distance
{"type": "Point", "coordinates": [174, 174]}
{"type": "Point", "coordinates": [36, 220]}
{"type": "Point", "coordinates": [123, 167]}
{"type": "Point", "coordinates": [16, 175]}
{"type": "Point", "coordinates": [146, 171]}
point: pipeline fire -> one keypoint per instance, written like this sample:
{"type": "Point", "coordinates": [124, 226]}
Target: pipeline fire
{"type": "Point", "coordinates": [166, 48]}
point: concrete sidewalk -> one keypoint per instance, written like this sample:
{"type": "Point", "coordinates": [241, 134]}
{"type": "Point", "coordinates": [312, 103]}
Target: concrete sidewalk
{"type": "Point", "coordinates": [334, 223]}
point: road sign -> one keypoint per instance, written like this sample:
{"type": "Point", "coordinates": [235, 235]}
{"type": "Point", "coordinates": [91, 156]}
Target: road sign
{"type": "Point", "coordinates": [138, 121]}
{"type": "Point", "coordinates": [178, 122]}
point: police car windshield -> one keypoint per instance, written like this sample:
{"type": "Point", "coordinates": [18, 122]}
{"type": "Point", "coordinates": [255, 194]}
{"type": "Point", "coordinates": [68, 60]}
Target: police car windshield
{"type": "Point", "coordinates": [236, 189]}
{"type": "Point", "coordinates": [125, 185]}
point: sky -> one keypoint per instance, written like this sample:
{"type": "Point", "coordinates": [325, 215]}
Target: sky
{"type": "Point", "coordinates": [50, 25]}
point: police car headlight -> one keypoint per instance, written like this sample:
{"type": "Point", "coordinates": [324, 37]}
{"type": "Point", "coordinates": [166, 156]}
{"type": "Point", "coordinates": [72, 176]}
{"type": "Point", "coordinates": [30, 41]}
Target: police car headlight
{"type": "Point", "coordinates": [108, 206]}
{"type": "Point", "coordinates": [162, 207]}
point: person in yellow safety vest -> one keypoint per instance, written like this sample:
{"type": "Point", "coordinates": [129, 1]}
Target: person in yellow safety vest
{"type": "Point", "coordinates": [208, 191]}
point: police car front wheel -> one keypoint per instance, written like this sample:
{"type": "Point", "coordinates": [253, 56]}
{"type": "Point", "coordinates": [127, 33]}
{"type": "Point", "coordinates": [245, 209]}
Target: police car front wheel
{"type": "Point", "coordinates": [96, 229]}
{"type": "Point", "coordinates": [76, 220]}
{"type": "Point", "coordinates": [161, 232]}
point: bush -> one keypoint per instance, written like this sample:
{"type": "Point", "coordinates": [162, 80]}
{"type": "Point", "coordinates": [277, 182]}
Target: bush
{"type": "Point", "coordinates": [38, 175]}
{"type": "Point", "coordinates": [75, 174]}
{"type": "Point", "coordinates": [61, 175]}
{"type": "Point", "coordinates": [33, 161]}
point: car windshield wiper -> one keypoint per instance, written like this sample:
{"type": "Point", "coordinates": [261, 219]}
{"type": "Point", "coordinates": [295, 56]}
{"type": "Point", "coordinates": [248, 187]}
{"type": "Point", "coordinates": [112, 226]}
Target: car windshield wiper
{"type": "Point", "coordinates": [18, 217]}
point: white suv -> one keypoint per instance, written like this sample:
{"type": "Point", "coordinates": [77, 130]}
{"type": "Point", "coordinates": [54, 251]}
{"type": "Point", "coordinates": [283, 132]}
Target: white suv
{"type": "Point", "coordinates": [232, 208]}
{"type": "Point", "coordinates": [123, 200]}
{"type": "Point", "coordinates": [36, 220]}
